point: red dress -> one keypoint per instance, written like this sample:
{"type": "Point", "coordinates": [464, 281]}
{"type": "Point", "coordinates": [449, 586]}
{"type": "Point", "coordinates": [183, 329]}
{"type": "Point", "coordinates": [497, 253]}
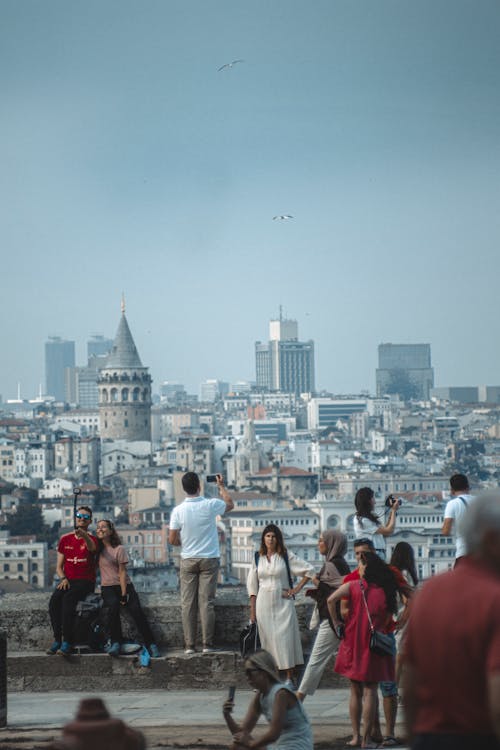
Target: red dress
{"type": "Point", "coordinates": [354, 659]}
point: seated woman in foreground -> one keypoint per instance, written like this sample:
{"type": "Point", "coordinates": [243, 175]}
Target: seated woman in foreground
{"type": "Point", "coordinates": [289, 727]}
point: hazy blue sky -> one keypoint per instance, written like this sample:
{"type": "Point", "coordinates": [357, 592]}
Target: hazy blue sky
{"type": "Point", "coordinates": [129, 163]}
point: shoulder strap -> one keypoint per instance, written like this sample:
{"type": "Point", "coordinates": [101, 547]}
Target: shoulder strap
{"type": "Point", "coordinates": [287, 563]}
{"type": "Point", "coordinates": [366, 606]}
{"type": "Point", "coordinates": [464, 501]}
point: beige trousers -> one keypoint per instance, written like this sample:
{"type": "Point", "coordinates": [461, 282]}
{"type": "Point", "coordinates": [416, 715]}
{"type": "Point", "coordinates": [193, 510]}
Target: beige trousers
{"type": "Point", "coordinates": [198, 579]}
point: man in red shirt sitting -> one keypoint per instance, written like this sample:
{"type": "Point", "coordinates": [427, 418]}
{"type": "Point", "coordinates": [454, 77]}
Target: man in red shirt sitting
{"type": "Point", "coordinates": [76, 569]}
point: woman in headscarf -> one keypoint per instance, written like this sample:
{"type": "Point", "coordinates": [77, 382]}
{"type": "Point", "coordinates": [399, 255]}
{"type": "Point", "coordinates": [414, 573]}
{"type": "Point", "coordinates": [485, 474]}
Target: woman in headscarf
{"type": "Point", "coordinates": [333, 545]}
{"type": "Point", "coordinates": [289, 727]}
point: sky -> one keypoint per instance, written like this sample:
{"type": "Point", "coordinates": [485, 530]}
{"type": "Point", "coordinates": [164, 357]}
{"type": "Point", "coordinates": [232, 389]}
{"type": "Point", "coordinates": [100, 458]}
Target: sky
{"type": "Point", "coordinates": [129, 163]}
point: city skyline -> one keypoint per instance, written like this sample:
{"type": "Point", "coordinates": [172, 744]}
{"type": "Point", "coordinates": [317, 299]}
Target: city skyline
{"type": "Point", "coordinates": [137, 159]}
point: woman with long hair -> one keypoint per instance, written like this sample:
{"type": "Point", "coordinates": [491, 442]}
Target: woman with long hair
{"type": "Point", "coordinates": [332, 545]}
{"type": "Point", "coordinates": [118, 591]}
{"type": "Point", "coordinates": [272, 593]}
{"type": "Point", "coordinates": [289, 727]}
{"type": "Point", "coordinates": [375, 591]}
{"type": "Point", "coordinates": [368, 524]}
{"type": "Point", "coordinates": [403, 558]}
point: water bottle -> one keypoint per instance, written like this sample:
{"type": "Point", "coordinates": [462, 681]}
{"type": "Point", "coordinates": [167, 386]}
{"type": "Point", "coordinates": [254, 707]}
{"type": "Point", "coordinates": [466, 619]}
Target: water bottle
{"type": "Point", "coordinates": [145, 658]}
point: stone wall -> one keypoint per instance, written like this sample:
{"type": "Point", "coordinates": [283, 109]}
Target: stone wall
{"type": "Point", "coordinates": [25, 619]}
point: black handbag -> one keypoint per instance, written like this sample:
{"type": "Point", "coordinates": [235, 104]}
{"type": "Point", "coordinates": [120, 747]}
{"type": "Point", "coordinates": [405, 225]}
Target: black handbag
{"type": "Point", "coordinates": [380, 643]}
{"type": "Point", "coordinates": [249, 639]}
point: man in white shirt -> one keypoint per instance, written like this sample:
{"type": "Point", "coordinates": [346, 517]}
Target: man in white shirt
{"type": "Point", "coordinates": [193, 527]}
{"type": "Point", "coordinates": [455, 509]}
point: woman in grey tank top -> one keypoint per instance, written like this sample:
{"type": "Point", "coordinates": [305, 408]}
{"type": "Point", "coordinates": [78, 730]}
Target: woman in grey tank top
{"type": "Point", "coordinates": [289, 727]}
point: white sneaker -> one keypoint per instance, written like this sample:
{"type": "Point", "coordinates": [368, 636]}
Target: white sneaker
{"type": "Point", "coordinates": [189, 651]}
{"type": "Point", "coordinates": [208, 650]}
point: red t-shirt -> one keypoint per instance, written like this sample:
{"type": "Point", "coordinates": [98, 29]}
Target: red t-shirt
{"type": "Point", "coordinates": [79, 563]}
{"type": "Point", "coordinates": [453, 643]}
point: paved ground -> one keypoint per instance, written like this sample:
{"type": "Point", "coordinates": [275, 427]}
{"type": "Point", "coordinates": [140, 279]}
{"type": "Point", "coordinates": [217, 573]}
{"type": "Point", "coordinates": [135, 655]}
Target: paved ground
{"type": "Point", "coordinates": [169, 719]}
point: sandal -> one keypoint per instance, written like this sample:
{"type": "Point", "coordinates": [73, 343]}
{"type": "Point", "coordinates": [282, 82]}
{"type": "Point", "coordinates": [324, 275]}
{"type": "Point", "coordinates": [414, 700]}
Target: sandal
{"type": "Point", "coordinates": [389, 742]}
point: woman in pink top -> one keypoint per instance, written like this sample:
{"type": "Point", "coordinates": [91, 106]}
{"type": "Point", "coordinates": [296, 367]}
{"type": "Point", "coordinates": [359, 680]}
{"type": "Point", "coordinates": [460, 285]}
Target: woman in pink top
{"type": "Point", "coordinates": [118, 591]}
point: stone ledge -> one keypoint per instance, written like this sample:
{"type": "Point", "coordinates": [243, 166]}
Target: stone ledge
{"type": "Point", "coordinates": [25, 619]}
{"type": "Point", "coordinates": [103, 673]}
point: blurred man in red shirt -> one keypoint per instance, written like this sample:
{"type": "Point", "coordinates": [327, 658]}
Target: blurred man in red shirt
{"type": "Point", "coordinates": [451, 659]}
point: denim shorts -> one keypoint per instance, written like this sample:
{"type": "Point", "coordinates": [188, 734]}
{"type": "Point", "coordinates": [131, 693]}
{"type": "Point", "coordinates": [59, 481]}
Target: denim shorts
{"type": "Point", "coordinates": [389, 688]}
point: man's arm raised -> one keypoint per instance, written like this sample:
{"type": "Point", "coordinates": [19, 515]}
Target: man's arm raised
{"type": "Point", "coordinates": [224, 493]}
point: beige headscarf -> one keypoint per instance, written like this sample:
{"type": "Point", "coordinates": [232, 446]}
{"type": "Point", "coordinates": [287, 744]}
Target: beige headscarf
{"type": "Point", "coordinates": [263, 660]}
{"type": "Point", "coordinates": [335, 566]}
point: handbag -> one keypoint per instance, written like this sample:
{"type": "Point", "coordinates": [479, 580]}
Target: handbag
{"type": "Point", "coordinates": [380, 643]}
{"type": "Point", "coordinates": [249, 639]}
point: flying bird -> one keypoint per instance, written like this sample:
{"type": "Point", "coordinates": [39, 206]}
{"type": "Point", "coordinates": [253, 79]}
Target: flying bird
{"type": "Point", "coordinates": [229, 65]}
{"type": "Point", "coordinates": [282, 217]}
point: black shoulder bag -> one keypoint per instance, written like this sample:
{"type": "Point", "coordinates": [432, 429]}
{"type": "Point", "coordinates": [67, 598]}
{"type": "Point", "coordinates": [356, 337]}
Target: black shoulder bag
{"type": "Point", "coordinates": [380, 643]}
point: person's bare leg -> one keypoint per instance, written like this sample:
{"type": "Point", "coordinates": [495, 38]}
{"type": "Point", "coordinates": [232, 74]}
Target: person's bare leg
{"type": "Point", "coordinates": [368, 713]}
{"type": "Point", "coordinates": [390, 713]}
{"type": "Point", "coordinates": [355, 712]}
{"type": "Point", "coordinates": [290, 675]}
{"type": "Point", "coordinates": [376, 732]}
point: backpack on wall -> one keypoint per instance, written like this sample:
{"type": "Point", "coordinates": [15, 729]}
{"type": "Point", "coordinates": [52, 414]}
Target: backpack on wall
{"type": "Point", "coordinates": [89, 624]}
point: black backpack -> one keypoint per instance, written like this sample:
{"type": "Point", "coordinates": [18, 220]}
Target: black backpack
{"type": "Point", "coordinates": [90, 623]}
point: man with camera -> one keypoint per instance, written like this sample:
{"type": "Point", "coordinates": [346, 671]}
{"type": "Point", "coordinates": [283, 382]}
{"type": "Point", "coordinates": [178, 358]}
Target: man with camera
{"type": "Point", "coordinates": [455, 510]}
{"type": "Point", "coordinates": [193, 528]}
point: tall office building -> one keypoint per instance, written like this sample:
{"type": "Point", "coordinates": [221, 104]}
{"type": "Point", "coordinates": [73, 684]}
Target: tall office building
{"type": "Point", "coordinates": [124, 390]}
{"type": "Point", "coordinates": [285, 364]}
{"type": "Point", "coordinates": [405, 369]}
{"type": "Point", "coordinates": [98, 345]}
{"type": "Point", "coordinates": [59, 354]}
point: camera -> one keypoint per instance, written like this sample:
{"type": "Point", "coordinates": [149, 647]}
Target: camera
{"type": "Point", "coordinates": [390, 500]}
{"type": "Point", "coordinates": [211, 477]}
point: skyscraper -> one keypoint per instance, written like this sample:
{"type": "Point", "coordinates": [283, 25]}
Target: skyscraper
{"type": "Point", "coordinates": [285, 364]}
{"type": "Point", "coordinates": [59, 354]}
{"type": "Point", "coordinates": [98, 345]}
{"type": "Point", "coordinates": [405, 369]}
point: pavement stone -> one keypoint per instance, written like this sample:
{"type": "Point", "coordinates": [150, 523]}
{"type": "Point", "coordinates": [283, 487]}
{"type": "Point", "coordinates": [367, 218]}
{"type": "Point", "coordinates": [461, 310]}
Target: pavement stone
{"type": "Point", "coordinates": [169, 719]}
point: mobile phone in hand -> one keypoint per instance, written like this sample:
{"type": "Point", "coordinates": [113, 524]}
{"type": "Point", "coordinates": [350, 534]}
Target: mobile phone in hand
{"type": "Point", "coordinates": [231, 692]}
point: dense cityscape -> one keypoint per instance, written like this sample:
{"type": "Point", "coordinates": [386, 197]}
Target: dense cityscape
{"type": "Point", "coordinates": [289, 454]}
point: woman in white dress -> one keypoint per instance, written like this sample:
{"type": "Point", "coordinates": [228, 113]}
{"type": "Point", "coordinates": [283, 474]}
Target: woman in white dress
{"type": "Point", "coordinates": [367, 524]}
{"type": "Point", "coordinates": [272, 594]}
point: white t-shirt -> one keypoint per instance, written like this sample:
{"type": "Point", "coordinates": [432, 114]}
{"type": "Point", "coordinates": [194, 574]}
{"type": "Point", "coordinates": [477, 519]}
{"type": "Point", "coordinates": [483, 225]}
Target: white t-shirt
{"type": "Point", "coordinates": [456, 508]}
{"type": "Point", "coordinates": [363, 527]}
{"type": "Point", "coordinates": [195, 518]}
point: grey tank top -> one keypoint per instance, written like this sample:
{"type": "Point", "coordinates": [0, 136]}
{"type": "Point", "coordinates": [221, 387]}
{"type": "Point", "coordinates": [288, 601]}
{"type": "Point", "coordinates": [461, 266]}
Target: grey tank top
{"type": "Point", "coordinates": [297, 732]}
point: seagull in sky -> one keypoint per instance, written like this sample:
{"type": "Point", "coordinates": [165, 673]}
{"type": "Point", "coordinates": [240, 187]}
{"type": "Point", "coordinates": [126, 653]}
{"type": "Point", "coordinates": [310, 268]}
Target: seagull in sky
{"type": "Point", "coordinates": [229, 65]}
{"type": "Point", "coordinates": [282, 217]}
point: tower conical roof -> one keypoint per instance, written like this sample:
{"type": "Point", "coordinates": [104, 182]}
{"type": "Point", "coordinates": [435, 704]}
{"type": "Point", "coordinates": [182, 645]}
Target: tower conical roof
{"type": "Point", "coordinates": [123, 353]}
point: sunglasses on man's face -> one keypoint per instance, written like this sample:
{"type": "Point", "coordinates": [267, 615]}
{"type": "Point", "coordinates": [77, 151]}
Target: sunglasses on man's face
{"type": "Point", "coordinates": [85, 516]}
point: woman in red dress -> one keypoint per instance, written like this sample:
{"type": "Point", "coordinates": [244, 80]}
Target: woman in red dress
{"type": "Point", "coordinates": [355, 661]}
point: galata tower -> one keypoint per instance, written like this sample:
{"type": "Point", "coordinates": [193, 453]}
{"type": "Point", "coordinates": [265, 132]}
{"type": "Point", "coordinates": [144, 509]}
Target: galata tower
{"type": "Point", "coordinates": [124, 390]}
